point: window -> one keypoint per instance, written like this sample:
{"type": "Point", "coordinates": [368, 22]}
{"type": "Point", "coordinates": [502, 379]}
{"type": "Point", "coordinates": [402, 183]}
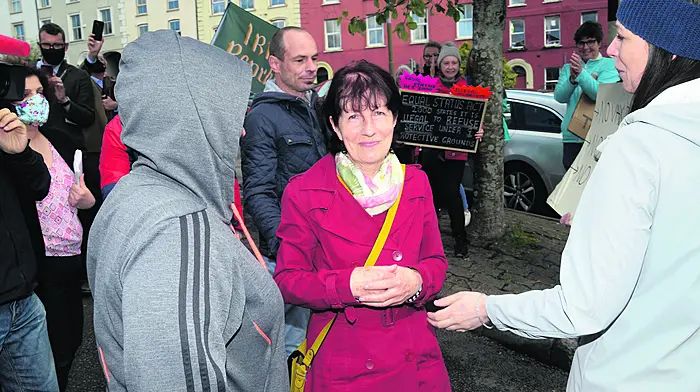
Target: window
{"type": "Point", "coordinates": [551, 77]}
{"type": "Point", "coordinates": [248, 4]}
{"type": "Point", "coordinates": [76, 27]}
{"type": "Point", "coordinates": [175, 25]}
{"type": "Point", "coordinates": [106, 17]}
{"type": "Point", "coordinates": [45, 21]}
{"type": "Point", "coordinates": [19, 31]}
{"type": "Point", "coordinates": [141, 8]}
{"type": "Point", "coordinates": [331, 1]}
{"type": "Point", "coordinates": [516, 2]}
{"type": "Point", "coordinates": [44, 3]}
{"type": "Point", "coordinates": [218, 6]}
{"type": "Point", "coordinates": [589, 17]}
{"type": "Point", "coordinates": [143, 29]}
{"type": "Point", "coordinates": [375, 32]}
{"type": "Point", "coordinates": [173, 5]}
{"type": "Point", "coordinates": [279, 23]}
{"type": "Point", "coordinates": [552, 32]}
{"type": "Point", "coordinates": [72, 1]}
{"type": "Point", "coordinates": [332, 31]}
{"type": "Point", "coordinates": [16, 6]}
{"type": "Point", "coordinates": [465, 26]}
{"type": "Point", "coordinates": [277, 3]}
{"type": "Point", "coordinates": [517, 34]}
{"type": "Point", "coordinates": [420, 34]}
{"type": "Point", "coordinates": [527, 117]}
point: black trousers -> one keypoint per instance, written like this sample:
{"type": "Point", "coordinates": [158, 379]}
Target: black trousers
{"type": "Point", "coordinates": [59, 280]}
{"type": "Point", "coordinates": [571, 151]}
{"type": "Point", "coordinates": [445, 177]}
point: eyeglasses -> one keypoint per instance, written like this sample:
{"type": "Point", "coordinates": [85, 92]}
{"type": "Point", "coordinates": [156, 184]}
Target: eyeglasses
{"type": "Point", "coordinates": [429, 56]}
{"type": "Point", "coordinates": [46, 45]}
{"type": "Point", "coordinates": [588, 42]}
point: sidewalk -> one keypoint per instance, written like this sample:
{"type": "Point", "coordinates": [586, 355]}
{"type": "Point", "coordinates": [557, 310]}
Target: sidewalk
{"type": "Point", "coordinates": [527, 258]}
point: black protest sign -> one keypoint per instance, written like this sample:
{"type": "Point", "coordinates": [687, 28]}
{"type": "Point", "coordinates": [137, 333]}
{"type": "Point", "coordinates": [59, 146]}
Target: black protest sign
{"type": "Point", "coordinates": [442, 121]}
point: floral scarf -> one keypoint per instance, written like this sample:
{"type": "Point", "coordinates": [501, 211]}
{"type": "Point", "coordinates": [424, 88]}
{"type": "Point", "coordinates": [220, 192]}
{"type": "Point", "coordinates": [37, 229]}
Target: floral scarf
{"type": "Point", "coordinates": [376, 194]}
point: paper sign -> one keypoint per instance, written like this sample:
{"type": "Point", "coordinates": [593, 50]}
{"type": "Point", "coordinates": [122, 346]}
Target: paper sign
{"type": "Point", "coordinates": [612, 105]}
{"type": "Point", "coordinates": [582, 119]}
{"type": "Point", "coordinates": [421, 83]}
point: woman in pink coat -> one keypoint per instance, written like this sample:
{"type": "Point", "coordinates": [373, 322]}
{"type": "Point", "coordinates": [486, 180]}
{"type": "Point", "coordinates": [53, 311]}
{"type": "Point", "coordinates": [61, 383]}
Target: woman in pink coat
{"type": "Point", "coordinates": [381, 340]}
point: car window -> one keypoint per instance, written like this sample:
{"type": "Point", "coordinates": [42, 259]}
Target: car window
{"type": "Point", "coordinates": [528, 117]}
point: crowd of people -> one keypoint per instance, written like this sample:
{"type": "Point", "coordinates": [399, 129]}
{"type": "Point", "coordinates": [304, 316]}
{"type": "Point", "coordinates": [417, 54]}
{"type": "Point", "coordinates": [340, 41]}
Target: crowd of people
{"type": "Point", "coordinates": [348, 224]}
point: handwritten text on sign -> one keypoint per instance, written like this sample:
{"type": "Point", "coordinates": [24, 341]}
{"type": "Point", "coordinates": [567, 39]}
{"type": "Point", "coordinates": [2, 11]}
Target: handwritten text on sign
{"type": "Point", "coordinates": [440, 121]}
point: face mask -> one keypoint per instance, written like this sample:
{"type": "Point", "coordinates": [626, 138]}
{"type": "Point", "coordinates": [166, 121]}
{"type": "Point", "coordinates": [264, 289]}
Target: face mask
{"type": "Point", "coordinates": [53, 56]}
{"type": "Point", "coordinates": [34, 111]}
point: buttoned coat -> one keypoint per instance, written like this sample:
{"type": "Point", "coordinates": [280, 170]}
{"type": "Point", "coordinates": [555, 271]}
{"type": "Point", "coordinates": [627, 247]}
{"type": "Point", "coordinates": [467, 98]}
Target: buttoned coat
{"type": "Point", "coordinates": [325, 234]}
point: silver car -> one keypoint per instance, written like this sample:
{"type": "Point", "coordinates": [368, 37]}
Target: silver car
{"type": "Point", "coordinates": [533, 156]}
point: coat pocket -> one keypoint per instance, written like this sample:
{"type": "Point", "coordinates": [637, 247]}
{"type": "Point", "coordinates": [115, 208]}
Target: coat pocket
{"type": "Point", "coordinates": [293, 140]}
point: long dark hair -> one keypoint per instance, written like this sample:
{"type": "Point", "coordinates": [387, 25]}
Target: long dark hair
{"type": "Point", "coordinates": [33, 71]}
{"type": "Point", "coordinates": [663, 72]}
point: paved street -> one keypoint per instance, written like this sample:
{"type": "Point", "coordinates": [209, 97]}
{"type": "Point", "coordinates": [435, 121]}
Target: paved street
{"type": "Point", "coordinates": [475, 364]}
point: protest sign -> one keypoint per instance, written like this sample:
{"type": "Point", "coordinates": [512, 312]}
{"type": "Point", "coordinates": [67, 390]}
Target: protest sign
{"type": "Point", "coordinates": [247, 37]}
{"type": "Point", "coordinates": [582, 118]}
{"type": "Point", "coordinates": [612, 105]}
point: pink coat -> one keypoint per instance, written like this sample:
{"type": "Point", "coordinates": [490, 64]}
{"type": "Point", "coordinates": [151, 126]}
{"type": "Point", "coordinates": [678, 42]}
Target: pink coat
{"type": "Point", "coordinates": [324, 235]}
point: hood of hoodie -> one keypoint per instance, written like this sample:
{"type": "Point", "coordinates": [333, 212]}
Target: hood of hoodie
{"type": "Point", "coordinates": [674, 110]}
{"type": "Point", "coordinates": [274, 94]}
{"type": "Point", "coordinates": [182, 103]}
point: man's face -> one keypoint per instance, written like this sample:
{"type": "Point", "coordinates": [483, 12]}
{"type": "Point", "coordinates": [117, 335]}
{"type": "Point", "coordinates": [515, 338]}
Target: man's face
{"type": "Point", "coordinates": [588, 48]}
{"type": "Point", "coordinates": [46, 41]}
{"type": "Point", "coordinates": [296, 72]}
{"type": "Point", "coordinates": [430, 56]}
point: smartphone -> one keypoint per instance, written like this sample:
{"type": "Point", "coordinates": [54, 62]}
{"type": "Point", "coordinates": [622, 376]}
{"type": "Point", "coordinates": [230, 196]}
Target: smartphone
{"type": "Point", "coordinates": [431, 307]}
{"type": "Point", "coordinates": [47, 70]}
{"type": "Point", "coordinates": [97, 29]}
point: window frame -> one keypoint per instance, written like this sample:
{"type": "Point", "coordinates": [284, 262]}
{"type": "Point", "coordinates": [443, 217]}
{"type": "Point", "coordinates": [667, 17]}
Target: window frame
{"type": "Point", "coordinates": [284, 20]}
{"type": "Point", "coordinates": [589, 12]}
{"type": "Point", "coordinates": [14, 31]}
{"type": "Point", "coordinates": [111, 20]}
{"type": "Point", "coordinates": [168, 5]}
{"type": "Point", "coordinates": [71, 29]}
{"type": "Point", "coordinates": [517, 3]}
{"type": "Point", "coordinates": [49, 19]}
{"type": "Point", "coordinates": [12, 6]}
{"type": "Point", "coordinates": [551, 81]}
{"type": "Point", "coordinates": [330, 2]}
{"type": "Point", "coordinates": [138, 5]}
{"type": "Point", "coordinates": [72, 1]}
{"type": "Point", "coordinates": [471, 20]}
{"type": "Point", "coordinates": [179, 26]}
{"type": "Point", "coordinates": [217, 2]}
{"type": "Point", "coordinates": [339, 33]}
{"type": "Point", "coordinates": [138, 29]}
{"type": "Point", "coordinates": [427, 29]}
{"type": "Point", "coordinates": [41, 7]}
{"type": "Point", "coordinates": [518, 120]}
{"type": "Point", "coordinates": [510, 35]}
{"type": "Point", "coordinates": [247, 9]}
{"type": "Point", "coordinates": [375, 29]}
{"type": "Point", "coordinates": [547, 29]}
{"type": "Point", "coordinates": [284, 4]}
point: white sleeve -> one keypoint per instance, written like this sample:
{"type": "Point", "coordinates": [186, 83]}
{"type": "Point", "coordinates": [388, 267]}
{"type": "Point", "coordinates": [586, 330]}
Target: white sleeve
{"type": "Point", "coordinates": [604, 253]}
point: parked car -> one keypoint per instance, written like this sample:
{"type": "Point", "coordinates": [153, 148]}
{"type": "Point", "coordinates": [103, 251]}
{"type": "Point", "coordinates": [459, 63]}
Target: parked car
{"type": "Point", "coordinates": [533, 156]}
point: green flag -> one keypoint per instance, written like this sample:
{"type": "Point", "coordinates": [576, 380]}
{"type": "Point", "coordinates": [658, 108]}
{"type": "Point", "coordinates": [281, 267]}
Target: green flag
{"type": "Point", "coordinates": [247, 37]}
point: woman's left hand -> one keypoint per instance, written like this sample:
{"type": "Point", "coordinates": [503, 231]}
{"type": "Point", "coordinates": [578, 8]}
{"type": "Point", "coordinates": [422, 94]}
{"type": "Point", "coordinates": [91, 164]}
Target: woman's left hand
{"type": "Point", "coordinates": [80, 196]}
{"type": "Point", "coordinates": [480, 135]}
{"type": "Point", "coordinates": [459, 313]}
{"type": "Point", "coordinates": [393, 290]}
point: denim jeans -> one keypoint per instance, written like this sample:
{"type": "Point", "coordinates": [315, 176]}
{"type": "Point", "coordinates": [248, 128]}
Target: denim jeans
{"type": "Point", "coordinates": [26, 362]}
{"type": "Point", "coordinates": [296, 319]}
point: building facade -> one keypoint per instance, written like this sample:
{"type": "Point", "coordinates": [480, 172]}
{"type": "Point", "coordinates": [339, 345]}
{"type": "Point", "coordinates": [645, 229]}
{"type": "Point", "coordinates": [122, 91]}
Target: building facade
{"type": "Point", "coordinates": [280, 13]}
{"type": "Point", "coordinates": [150, 15]}
{"type": "Point", "coordinates": [537, 41]}
{"type": "Point", "coordinates": [18, 19]}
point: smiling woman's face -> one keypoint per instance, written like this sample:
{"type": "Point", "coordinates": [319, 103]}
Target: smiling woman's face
{"type": "Point", "coordinates": [631, 54]}
{"type": "Point", "coordinates": [366, 134]}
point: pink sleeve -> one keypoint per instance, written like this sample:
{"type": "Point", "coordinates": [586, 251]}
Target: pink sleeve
{"type": "Point", "coordinates": [295, 274]}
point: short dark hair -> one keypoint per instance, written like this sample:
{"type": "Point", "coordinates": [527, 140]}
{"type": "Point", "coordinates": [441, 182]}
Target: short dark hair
{"type": "Point", "coordinates": [432, 44]}
{"type": "Point", "coordinates": [589, 29]}
{"type": "Point", "coordinates": [663, 72]}
{"type": "Point", "coordinates": [277, 48]}
{"type": "Point", "coordinates": [52, 29]}
{"type": "Point", "coordinates": [359, 85]}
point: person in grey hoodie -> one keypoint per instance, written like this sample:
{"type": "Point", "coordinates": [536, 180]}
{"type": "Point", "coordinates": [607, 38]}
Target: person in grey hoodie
{"type": "Point", "coordinates": [180, 304]}
{"type": "Point", "coordinates": [630, 271]}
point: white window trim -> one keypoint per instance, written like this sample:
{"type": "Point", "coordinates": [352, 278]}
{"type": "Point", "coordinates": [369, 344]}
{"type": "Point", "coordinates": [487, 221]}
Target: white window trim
{"type": "Point", "coordinates": [510, 35]}
{"type": "Point", "coordinates": [589, 12]}
{"type": "Point", "coordinates": [50, 20]}
{"type": "Point", "coordinates": [277, 5]}
{"type": "Point", "coordinates": [247, 9]}
{"type": "Point", "coordinates": [383, 28]}
{"type": "Point", "coordinates": [171, 28]}
{"type": "Point", "coordinates": [510, 5]}
{"type": "Point", "coordinates": [137, 8]}
{"type": "Point", "coordinates": [457, 24]}
{"type": "Point", "coordinates": [211, 6]}
{"type": "Point", "coordinates": [39, 6]}
{"type": "Point", "coordinates": [330, 2]}
{"type": "Point", "coordinates": [167, 6]}
{"type": "Point", "coordinates": [12, 12]}
{"type": "Point", "coordinates": [138, 29]}
{"type": "Point", "coordinates": [111, 14]}
{"type": "Point", "coordinates": [551, 1]}
{"type": "Point", "coordinates": [72, 2]}
{"type": "Point", "coordinates": [546, 45]}
{"type": "Point", "coordinates": [272, 22]}
{"type": "Point", "coordinates": [70, 27]}
{"type": "Point", "coordinates": [14, 30]}
{"type": "Point", "coordinates": [427, 30]}
{"type": "Point", "coordinates": [325, 36]}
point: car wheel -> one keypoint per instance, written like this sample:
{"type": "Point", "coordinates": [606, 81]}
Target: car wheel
{"type": "Point", "coordinates": [523, 188]}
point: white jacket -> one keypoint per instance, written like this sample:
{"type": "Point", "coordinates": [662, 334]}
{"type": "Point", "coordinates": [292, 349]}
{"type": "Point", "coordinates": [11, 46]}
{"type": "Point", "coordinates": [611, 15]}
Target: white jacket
{"type": "Point", "coordinates": [630, 272]}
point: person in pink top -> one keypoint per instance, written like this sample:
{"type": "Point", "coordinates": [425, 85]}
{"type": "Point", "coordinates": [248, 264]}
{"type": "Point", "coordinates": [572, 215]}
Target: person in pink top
{"type": "Point", "coordinates": [331, 216]}
{"type": "Point", "coordinates": [60, 269]}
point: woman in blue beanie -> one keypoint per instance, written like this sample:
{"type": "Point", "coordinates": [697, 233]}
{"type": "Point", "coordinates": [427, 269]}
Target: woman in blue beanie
{"type": "Point", "coordinates": [630, 272]}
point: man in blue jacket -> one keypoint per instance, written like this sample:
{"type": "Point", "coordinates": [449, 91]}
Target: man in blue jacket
{"type": "Point", "coordinates": [587, 68]}
{"type": "Point", "coordinates": [283, 138]}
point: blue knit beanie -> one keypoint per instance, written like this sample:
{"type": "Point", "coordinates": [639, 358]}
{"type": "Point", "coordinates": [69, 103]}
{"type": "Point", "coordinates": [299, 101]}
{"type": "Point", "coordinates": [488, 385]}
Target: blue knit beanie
{"type": "Point", "coordinates": [673, 25]}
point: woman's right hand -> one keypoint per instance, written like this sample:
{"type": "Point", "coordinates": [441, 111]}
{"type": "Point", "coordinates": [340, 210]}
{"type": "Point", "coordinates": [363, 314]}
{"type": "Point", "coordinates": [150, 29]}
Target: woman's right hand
{"type": "Point", "coordinates": [13, 133]}
{"type": "Point", "coordinates": [361, 276]}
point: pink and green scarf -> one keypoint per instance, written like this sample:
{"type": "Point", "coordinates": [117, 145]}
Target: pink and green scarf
{"type": "Point", "coordinates": [376, 194]}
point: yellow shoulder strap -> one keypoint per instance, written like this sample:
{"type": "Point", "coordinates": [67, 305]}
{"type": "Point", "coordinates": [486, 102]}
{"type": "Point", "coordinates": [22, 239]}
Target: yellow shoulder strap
{"type": "Point", "coordinates": [371, 260]}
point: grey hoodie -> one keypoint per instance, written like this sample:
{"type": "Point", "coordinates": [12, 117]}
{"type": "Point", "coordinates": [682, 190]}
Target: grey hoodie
{"type": "Point", "coordinates": [180, 304]}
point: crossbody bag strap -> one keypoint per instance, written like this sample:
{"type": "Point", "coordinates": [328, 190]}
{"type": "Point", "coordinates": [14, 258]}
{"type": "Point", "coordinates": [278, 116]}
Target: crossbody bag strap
{"type": "Point", "coordinates": [371, 261]}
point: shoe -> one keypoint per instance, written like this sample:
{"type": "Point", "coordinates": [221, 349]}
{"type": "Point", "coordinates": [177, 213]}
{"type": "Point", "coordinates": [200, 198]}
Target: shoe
{"type": "Point", "coordinates": [460, 247]}
{"type": "Point", "coordinates": [467, 217]}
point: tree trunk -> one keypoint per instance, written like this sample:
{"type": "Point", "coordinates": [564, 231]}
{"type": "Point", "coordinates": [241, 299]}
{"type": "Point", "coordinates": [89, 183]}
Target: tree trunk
{"type": "Point", "coordinates": [489, 24]}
